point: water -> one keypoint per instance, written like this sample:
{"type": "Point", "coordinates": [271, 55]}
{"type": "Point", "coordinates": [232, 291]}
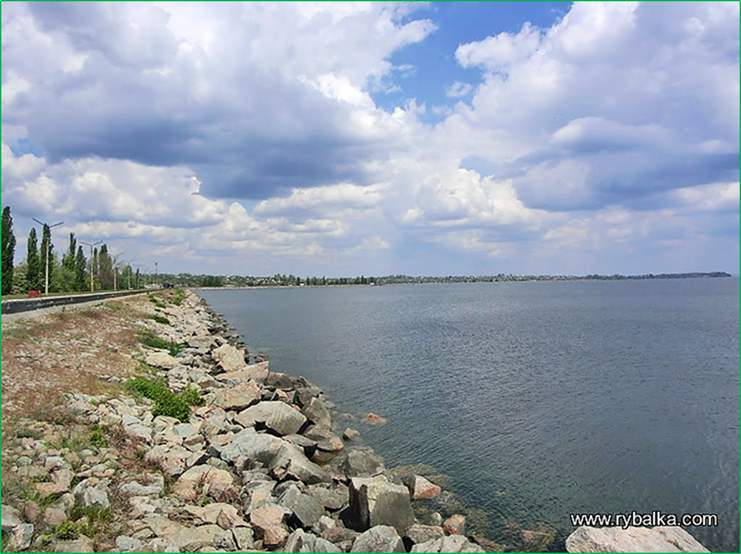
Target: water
{"type": "Point", "coordinates": [538, 399]}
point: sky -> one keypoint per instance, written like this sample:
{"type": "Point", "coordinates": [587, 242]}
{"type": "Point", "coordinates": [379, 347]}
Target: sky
{"type": "Point", "coordinates": [343, 139]}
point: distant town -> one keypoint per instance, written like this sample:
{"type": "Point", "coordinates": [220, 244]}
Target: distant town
{"type": "Point", "coordinates": [280, 280]}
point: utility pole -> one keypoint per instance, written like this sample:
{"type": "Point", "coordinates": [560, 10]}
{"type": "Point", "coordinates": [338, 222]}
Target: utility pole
{"type": "Point", "coordinates": [48, 247]}
{"type": "Point", "coordinates": [92, 262]}
{"type": "Point", "coordinates": [128, 273]}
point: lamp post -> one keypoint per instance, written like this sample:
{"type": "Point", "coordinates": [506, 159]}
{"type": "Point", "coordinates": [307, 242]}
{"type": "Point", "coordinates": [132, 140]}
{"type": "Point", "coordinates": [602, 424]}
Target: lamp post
{"type": "Point", "coordinates": [92, 263]}
{"type": "Point", "coordinates": [48, 247]}
{"type": "Point", "coordinates": [128, 273]}
{"type": "Point", "coordinates": [115, 268]}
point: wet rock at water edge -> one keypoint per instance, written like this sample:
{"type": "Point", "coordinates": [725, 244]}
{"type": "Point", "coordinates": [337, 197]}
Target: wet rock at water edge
{"type": "Point", "coordinates": [633, 539]}
{"type": "Point", "coordinates": [376, 501]}
{"type": "Point", "coordinates": [374, 419]}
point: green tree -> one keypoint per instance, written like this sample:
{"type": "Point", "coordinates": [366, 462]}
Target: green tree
{"type": "Point", "coordinates": [46, 253]}
{"type": "Point", "coordinates": [61, 278]}
{"type": "Point", "coordinates": [68, 260]}
{"type": "Point", "coordinates": [33, 264]}
{"type": "Point", "coordinates": [81, 282]}
{"type": "Point", "coordinates": [105, 269]}
{"type": "Point", "coordinates": [8, 251]}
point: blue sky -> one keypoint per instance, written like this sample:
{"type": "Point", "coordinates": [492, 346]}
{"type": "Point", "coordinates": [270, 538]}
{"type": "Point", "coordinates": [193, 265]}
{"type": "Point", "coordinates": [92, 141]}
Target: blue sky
{"type": "Point", "coordinates": [375, 138]}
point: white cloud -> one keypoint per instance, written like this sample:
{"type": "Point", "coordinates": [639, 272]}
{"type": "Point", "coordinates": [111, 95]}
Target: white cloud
{"type": "Point", "coordinates": [458, 89]}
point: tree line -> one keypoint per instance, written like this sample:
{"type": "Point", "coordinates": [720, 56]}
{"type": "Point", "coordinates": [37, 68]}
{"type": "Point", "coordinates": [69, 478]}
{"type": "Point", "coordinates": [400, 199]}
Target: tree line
{"type": "Point", "coordinates": [72, 272]}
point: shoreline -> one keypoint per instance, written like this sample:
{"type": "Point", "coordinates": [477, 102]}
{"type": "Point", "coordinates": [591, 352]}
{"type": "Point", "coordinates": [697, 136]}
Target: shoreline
{"type": "Point", "coordinates": [258, 466]}
{"type": "Point", "coordinates": [205, 449]}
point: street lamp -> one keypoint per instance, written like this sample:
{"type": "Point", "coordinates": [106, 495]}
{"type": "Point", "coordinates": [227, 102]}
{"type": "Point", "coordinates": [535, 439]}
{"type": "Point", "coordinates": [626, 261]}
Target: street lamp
{"type": "Point", "coordinates": [115, 268]}
{"type": "Point", "coordinates": [48, 247]}
{"type": "Point", "coordinates": [92, 263]}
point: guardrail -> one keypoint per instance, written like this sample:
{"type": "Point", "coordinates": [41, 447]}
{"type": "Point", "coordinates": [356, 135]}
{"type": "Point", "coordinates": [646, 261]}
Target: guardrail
{"type": "Point", "coordinates": [30, 304]}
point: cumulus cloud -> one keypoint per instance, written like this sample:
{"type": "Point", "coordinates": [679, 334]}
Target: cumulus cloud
{"type": "Point", "coordinates": [248, 136]}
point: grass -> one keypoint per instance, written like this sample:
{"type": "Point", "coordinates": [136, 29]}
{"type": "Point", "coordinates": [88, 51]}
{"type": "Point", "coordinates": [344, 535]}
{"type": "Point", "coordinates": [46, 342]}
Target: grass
{"type": "Point", "coordinates": [97, 439]}
{"type": "Point", "coordinates": [179, 297]}
{"type": "Point", "coordinates": [160, 319]}
{"type": "Point", "coordinates": [151, 339]}
{"type": "Point", "coordinates": [166, 402]}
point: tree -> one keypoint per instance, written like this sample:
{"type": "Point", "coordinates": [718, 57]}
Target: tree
{"type": "Point", "coordinates": [81, 282]}
{"type": "Point", "coordinates": [68, 260]}
{"type": "Point", "coordinates": [45, 254]}
{"type": "Point", "coordinates": [33, 264]}
{"type": "Point", "coordinates": [8, 251]}
{"type": "Point", "coordinates": [105, 269]}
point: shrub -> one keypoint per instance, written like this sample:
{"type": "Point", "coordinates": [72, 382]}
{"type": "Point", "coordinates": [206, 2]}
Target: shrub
{"type": "Point", "coordinates": [160, 319]}
{"type": "Point", "coordinates": [166, 402]}
{"type": "Point", "coordinates": [148, 338]}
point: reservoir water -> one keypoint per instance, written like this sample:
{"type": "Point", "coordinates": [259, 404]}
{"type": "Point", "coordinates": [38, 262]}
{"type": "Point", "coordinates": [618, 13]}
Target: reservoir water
{"type": "Point", "coordinates": [538, 399]}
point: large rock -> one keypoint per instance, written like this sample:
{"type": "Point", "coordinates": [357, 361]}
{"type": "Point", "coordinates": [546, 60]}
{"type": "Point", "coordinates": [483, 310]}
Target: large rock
{"type": "Point", "coordinates": [224, 515]}
{"type": "Point", "coordinates": [193, 539]}
{"type": "Point", "coordinates": [11, 518]}
{"type": "Point", "coordinates": [360, 463]}
{"type": "Point", "coordinates": [20, 538]}
{"type": "Point", "coordinates": [237, 398]}
{"type": "Point", "coordinates": [325, 440]}
{"type": "Point", "coordinates": [418, 534]}
{"type": "Point", "coordinates": [291, 463]}
{"type": "Point", "coordinates": [275, 415]}
{"type": "Point", "coordinates": [421, 489]}
{"type": "Point", "coordinates": [306, 509]}
{"type": "Point", "coordinates": [632, 539]}
{"type": "Point", "coordinates": [204, 480]}
{"type": "Point", "coordinates": [452, 544]}
{"type": "Point", "coordinates": [254, 446]}
{"type": "Point", "coordinates": [268, 520]}
{"type": "Point", "coordinates": [455, 525]}
{"type": "Point", "coordinates": [333, 497]}
{"type": "Point", "coordinates": [381, 538]}
{"type": "Point", "coordinates": [229, 358]}
{"type": "Point", "coordinates": [83, 544]}
{"type": "Point", "coordinates": [171, 459]}
{"type": "Point", "coordinates": [256, 372]}
{"type": "Point", "coordinates": [300, 541]}
{"type": "Point", "coordinates": [161, 359]}
{"type": "Point", "coordinates": [316, 412]}
{"type": "Point", "coordinates": [375, 501]}
{"type": "Point", "coordinates": [92, 494]}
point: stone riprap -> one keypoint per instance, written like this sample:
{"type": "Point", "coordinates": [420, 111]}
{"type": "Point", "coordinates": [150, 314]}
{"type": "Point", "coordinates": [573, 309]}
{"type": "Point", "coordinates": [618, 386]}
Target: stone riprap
{"type": "Point", "coordinates": [261, 466]}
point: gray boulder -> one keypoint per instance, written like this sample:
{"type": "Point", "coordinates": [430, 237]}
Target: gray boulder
{"type": "Point", "coordinates": [253, 446]}
{"type": "Point", "coordinates": [300, 541]}
{"type": "Point", "coordinates": [229, 358]}
{"type": "Point", "coordinates": [316, 412]}
{"type": "Point", "coordinates": [333, 497]}
{"type": "Point", "coordinates": [452, 544]}
{"type": "Point", "coordinates": [239, 397]}
{"type": "Point", "coordinates": [381, 538]}
{"type": "Point", "coordinates": [375, 501]}
{"type": "Point", "coordinates": [306, 509]}
{"type": "Point", "coordinates": [11, 518]}
{"type": "Point", "coordinates": [632, 539]}
{"type": "Point", "coordinates": [291, 463]}
{"type": "Point", "coordinates": [275, 415]}
{"type": "Point", "coordinates": [418, 534]}
{"type": "Point", "coordinates": [360, 463]}
{"type": "Point", "coordinates": [20, 538]}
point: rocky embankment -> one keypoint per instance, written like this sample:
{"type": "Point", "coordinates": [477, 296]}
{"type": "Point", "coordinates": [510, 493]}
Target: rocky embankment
{"type": "Point", "coordinates": [258, 466]}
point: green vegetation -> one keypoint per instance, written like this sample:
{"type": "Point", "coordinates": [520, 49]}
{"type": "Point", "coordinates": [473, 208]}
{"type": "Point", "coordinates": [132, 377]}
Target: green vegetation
{"type": "Point", "coordinates": [97, 439]}
{"type": "Point", "coordinates": [160, 319]}
{"type": "Point", "coordinates": [167, 403]}
{"type": "Point", "coordinates": [84, 521]}
{"type": "Point", "coordinates": [8, 251]}
{"type": "Point", "coordinates": [179, 297]}
{"type": "Point", "coordinates": [149, 338]}
{"type": "Point", "coordinates": [157, 302]}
